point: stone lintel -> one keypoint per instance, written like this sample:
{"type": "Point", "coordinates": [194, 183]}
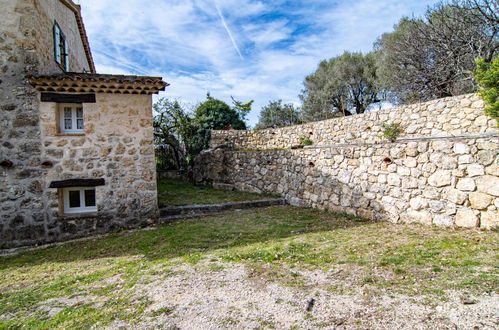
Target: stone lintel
{"type": "Point", "coordinates": [77, 183]}
{"type": "Point", "coordinates": [68, 98]}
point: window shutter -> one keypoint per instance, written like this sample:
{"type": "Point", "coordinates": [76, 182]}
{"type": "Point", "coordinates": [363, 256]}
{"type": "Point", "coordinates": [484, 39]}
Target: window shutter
{"type": "Point", "coordinates": [57, 43]}
{"type": "Point", "coordinates": [66, 56]}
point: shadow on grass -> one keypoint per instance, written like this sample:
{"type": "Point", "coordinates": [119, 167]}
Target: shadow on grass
{"type": "Point", "coordinates": [198, 235]}
{"type": "Point", "coordinates": [176, 192]}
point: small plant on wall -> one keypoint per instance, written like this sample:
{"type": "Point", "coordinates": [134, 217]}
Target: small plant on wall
{"type": "Point", "coordinates": [487, 76]}
{"type": "Point", "coordinates": [305, 140]}
{"type": "Point", "coordinates": [391, 131]}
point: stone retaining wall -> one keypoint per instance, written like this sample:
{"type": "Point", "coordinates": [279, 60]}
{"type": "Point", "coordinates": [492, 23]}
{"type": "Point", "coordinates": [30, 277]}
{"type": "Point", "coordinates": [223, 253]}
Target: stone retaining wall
{"type": "Point", "coordinates": [448, 116]}
{"type": "Point", "coordinates": [444, 181]}
{"type": "Point", "coordinates": [442, 170]}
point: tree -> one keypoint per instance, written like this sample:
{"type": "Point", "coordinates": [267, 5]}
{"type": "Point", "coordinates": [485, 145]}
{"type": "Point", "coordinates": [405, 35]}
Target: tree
{"type": "Point", "coordinates": [243, 109]}
{"type": "Point", "coordinates": [181, 136]}
{"type": "Point", "coordinates": [216, 114]}
{"type": "Point", "coordinates": [432, 57]}
{"type": "Point", "coordinates": [343, 86]}
{"type": "Point", "coordinates": [487, 76]}
{"type": "Point", "coordinates": [172, 133]}
{"type": "Point", "coordinates": [276, 114]}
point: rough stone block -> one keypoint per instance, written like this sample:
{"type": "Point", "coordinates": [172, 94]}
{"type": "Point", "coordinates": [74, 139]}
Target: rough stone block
{"type": "Point", "coordinates": [440, 145]}
{"type": "Point", "coordinates": [466, 184]}
{"type": "Point", "coordinates": [465, 159]}
{"type": "Point", "coordinates": [486, 157]}
{"type": "Point", "coordinates": [487, 145]}
{"type": "Point", "coordinates": [443, 220]}
{"type": "Point", "coordinates": [493, 170]}
{"type": "Point", "coordinates": [410, 162]}
{"type": "Point", "coordinates": [479, 201]}
{"type": "Point", "coordinates": [455, 196]}
{"type": "Point", "coordinates": [436, 206]}
{"type": "Point", "coordinates": [403, 171]}
{"type": "Point", "coordinates": [447, 162]}
{"type": "Point", "coordinates": [393, 179]}
{"type": "Point", "coordinates": [475, 170]}
{"type": "Point", "coordinates": [25, 120]}
{"type": "Point", "coordinates": [461, 148]}
{"type": "Point", "coordinates": [423, 217]}
{"type": "Point", "coordinates": [440, 178]}
{"type": "Point", "coordinates": [489, 219]}
{"type": "Point", "coordinates": [488, 184]}
{"type": "Point", "coordinates": [466, 218]}
{"type": "Point", "coordinates": [418, 203]}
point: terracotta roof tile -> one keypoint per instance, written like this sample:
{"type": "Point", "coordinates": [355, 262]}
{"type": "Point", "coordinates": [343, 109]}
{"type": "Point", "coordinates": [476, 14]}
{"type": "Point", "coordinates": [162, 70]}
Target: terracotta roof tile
{"type": "Point", "coordinates": [97, 83]}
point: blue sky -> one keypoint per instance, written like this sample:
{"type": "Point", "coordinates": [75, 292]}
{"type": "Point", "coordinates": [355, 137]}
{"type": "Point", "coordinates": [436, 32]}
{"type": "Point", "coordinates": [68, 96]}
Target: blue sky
{"type": "Point", "coordinates": [248, 49]}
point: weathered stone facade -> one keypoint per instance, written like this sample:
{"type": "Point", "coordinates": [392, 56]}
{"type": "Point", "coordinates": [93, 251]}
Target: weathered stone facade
{"type": "Point", "coordinates": [448, 116]}
{"type": "Point", "coordinates": [443, 180]}
{"type": "Point", "coordinates": [116, 144]}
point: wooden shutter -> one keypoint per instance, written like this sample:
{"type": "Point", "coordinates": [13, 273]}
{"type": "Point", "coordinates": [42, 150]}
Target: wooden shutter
{"type": "Point", "coordinates": [66, 55]}
{"type": "Point", "coordinates": [57, 43]}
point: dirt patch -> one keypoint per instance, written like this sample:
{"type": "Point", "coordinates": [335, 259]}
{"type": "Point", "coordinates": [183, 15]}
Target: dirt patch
{"type": "Point", "coordinates": [55, 305]}
{"type": "Point", "coordinates": [214, 295]}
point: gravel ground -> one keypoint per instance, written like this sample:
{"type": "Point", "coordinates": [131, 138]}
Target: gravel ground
{"type": "Point", "coordinates": [215, 295]}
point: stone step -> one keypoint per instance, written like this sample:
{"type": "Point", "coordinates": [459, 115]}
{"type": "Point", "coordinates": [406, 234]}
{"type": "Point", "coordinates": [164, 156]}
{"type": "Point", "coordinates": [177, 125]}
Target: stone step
{"type": "Point", "coordinates": [189, 211]}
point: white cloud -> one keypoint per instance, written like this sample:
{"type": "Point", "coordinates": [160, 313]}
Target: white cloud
{"type": "Point", "coordinates": [280, 42]}
{"type": "Point", "coordinates": [265, 34]}
{"type": "Point", "coordinates": [229, 33]}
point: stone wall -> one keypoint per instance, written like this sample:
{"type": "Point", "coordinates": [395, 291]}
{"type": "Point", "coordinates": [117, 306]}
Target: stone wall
{"type": "Point", "coordinates": [446, 182]}
{"type": "Point", "coordinates": [448, 116]}
{"type": "Point", "coordinates": [19, 118]}
{"type": "Point", "coordinates": [442, 170]}
{"type": "Point", "coordinates": [48, 12]}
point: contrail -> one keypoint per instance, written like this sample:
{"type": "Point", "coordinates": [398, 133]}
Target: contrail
{"type": "Point", "coordinates": [228, 31]}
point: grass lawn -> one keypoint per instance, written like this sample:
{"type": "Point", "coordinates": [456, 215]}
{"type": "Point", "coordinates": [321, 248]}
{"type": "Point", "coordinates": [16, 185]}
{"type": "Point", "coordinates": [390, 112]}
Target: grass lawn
{"type": "Point", "coordinates": [176, 192]}
{"type": "Point", "coordinates": [95, 282]}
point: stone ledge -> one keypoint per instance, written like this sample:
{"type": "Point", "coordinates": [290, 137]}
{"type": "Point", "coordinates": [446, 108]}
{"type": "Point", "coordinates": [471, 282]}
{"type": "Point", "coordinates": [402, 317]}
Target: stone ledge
{"type": "Point", "coordinates": [224, 186]}
{"type": "Point", "coordinates": [208, 209]}
{"type": "Point", "coordinates": [380, 143]}
{"type": "Point", "coordinates": [69, 134]}
{"type": "Point", "coordinates": [410, 139]}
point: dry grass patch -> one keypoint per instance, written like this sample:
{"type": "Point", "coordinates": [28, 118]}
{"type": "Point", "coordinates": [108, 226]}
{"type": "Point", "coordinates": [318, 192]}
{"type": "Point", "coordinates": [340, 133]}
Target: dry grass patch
{"type": "Point", "coordinates": [176, 192]}
{"type": "Point", "coordinates": [299, 248]}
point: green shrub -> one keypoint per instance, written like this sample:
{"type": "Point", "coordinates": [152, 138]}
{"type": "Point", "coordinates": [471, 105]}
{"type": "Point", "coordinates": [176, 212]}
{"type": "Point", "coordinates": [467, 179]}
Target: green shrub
{"type": "Point", "coordinates": [305, 140]}
{"type": "Point", "coordinates": [391, 131]}
{"type": "Point", "coordinates": [487, 76]}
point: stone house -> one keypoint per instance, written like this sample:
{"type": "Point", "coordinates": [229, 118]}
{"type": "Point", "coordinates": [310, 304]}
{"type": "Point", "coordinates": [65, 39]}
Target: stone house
{"type": "Point", "coordinates": [76, 147]}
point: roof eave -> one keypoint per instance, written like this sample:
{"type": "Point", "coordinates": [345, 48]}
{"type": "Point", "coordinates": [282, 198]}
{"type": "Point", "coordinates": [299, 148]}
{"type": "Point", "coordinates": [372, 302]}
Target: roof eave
{"type": "Point", "coordinates": [97, 83]}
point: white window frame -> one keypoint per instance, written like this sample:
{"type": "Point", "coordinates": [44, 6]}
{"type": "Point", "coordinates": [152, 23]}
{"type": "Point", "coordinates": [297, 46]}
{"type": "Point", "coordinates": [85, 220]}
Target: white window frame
{"type": "Point", "coordinates": [83, 208]}
{"type": "Point", "coordinates": [74, 107]}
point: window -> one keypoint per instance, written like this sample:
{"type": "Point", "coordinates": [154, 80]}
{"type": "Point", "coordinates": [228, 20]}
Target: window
{"type": "Point", "coordinates": [61, 52]}
{"type": "Point", "coordinates": [71, 118]}
{"type": "Point", "coordinates": [79, 200]}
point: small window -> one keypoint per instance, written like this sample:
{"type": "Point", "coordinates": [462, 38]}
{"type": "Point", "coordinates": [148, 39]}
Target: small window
{"type": "Point", "coordinates": [71, 118]}
{"type": "Point", "coordinates": [79, 200]}
{"type": "Point", "coordinates": [61, 51]}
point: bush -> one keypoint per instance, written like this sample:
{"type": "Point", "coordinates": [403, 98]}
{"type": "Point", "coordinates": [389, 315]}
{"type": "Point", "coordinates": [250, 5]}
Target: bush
{"type": "Point", "coordinates": [305, 140]}
{"type": "Point", "coordinates": [487, 76]}
{"type": "Point", "coordinates": [391, 131]}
